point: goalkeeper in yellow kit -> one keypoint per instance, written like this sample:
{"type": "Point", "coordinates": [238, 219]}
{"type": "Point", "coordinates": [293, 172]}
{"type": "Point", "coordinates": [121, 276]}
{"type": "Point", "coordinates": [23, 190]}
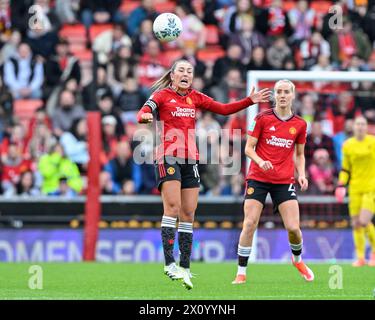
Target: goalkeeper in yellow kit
{"type": "Point", "coordinates": [358, 172]}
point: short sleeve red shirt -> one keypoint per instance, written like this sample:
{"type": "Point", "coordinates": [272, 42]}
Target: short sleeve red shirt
{"type": "Point", "coordinates": [276, 143]}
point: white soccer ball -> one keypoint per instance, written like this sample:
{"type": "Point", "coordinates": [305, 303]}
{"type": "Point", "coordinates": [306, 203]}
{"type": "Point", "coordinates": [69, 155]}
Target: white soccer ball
{"type": "Point", "coordinates": [167, 27]}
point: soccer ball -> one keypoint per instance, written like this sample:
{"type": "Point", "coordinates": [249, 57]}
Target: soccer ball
{"type": "Point", "coordinates": [167, 27]}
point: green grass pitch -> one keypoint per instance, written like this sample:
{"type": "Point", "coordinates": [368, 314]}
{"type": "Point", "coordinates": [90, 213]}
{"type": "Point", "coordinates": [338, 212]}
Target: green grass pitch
{"type": "Point", "coordinates": [213, 281]}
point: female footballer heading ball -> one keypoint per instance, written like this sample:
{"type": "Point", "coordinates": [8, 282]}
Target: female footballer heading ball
{"type": "Point", "coordinates": [174, 103]}
{"type": "Point", "coordinates": [275, 133]}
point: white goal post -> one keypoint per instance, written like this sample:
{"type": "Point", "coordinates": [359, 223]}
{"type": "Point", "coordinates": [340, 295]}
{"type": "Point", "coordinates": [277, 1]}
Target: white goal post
{"type": "Point", "coordinates": [254, 77]}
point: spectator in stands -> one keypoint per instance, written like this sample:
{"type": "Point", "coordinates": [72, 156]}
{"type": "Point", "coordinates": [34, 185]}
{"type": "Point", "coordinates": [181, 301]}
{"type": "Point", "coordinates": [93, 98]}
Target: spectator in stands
{"type": "Point", "coordinates": [278, 52]}
{"type": "Point", "coordinates": [367, 21]}
{"type": "Point", "coordinates": [339, 139]}
{"type": "Point", "coordinates": [13, 164]}
{"type": "Point", "coordinates": [40, 117]}
{"type": "Point", "coordinates": [60, 68]}
{"type": "Point", "coordinates": [142, 37]}
{"type": "Point", "coordinates": [302, 19]}
{"type": "Point", "coordinates": [312, 48]}
{"type": "Point", "coordinates": [322, 64]}
{"type": "Point", "coordinates": [145, 11]}
{"type": "Point", "coordinates": [365, 99]}
{"type": "Point", "coordinates": [26, 187]}
{"type": "Point", "coordinates": [101, 11]}
{"type": "Point", "coordinates": [307, 109]}
{"type": "Point", "coordinates": [63, 190]}
{"type": "Point", "coordinates": [190, 54]}
{"type": "Point", "coordinates": [68, 11]}
{"type": "Point", "coordinates": [342, 108]}
{"type": "Point", "coordinates": [23, 74]}
{"type": "Point", "coordinates": [347, 42]}
{"type": "Point", "coordinates": [125, 173]}
{"type": "Point", "coordinates": [237, 121]}
{"type": "Point", "coordinates": [66, 112]}
{"type": "Point", "coordinates": [122, 66]}
{"type": "Point", "coordinates": [93, 91]}
{"type": "Point", "coordinates": [258, 60]}
{"type": "Point", "coordinates": [248, 38]}
{"type": "Point", "coordinates": [274, 21]}
{"type": "Point", "coordinates": [74, 143]}
{"type": "Point", "coordinates": [289, 64]}
{"type": "Point", "coordinates": [17, 138]}
{"type": "Point", "coordinates": [107, 186]}
{"type": "Point", "coordinates": [6, 108]}
{"type": "Point", "coordinates": [106, 108]}
{"type": "Point", "coordinates": [230, 88]}
{"type": "Point", "coordinates": [152, 65]}
{"type": "Point", "coordinates": [107, 42]}
{"type": "Point", "coordinates": [318, 140]}
{"type": "Point", "coordinates": [9, 49]}
{"type": "Point", "coordinates": [232, 59]}
{"type": "Point", "coordinates": [129, 100]}
{"type": "Point", "coordinates": [5, 22]}
{"type": "Point", "coordinates": [110, 139]}
{"type": "Point", "coordinates": [321, 173]}
{"type": "Point", "coordinates": [42, 34]}
{"type": "Point", "coordinates": [41, 141]}
{"type": "Point", "coordinates": [55, 165]}
{"type": "Point", "coordinates": [234, 16]}
{"type": "Point", "coordinates": [194, 30]}
{"type": "Point", "coordinates": [19, 14]}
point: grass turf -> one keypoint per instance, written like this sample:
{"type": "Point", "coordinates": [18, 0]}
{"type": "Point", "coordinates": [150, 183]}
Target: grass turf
{"type": "Point", "coordinates": [213, 281]}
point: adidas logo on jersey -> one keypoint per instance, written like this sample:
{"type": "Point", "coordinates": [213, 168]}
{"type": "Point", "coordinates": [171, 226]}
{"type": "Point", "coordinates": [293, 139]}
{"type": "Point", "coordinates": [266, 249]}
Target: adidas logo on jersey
{"type": "Point", "coordinates": [273, 128]}
{"type": "Point", "coordinates": [173, 100]}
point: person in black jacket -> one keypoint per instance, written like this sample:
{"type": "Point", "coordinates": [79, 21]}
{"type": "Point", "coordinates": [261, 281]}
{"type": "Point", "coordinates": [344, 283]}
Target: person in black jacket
{"type": "Point", "coordinates": [61, 68]}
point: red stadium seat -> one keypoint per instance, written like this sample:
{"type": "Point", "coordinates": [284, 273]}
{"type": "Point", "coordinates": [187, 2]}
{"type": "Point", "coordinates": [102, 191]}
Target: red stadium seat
{"type": "Point", "coordinates": [288, 5]}
{"type": "Point", "coordinates": [166, 6]}
{"type": "Point", "coordinates": [73, 33]}
{"type": "Point", "coordinates": [210, 54]}
{"type": "Point", "coordinates": [128, 6]}
{"type": "Point", "coordinates": [212, 34]}
{"type": "Point", "coordinates": [25, 109]}
{"type": "Point", "coordinates": [97, 29]}
{"type": "Point", "coordinates": [173, 55]}
{"type": "Point", "coordinates": [83, 55]}
{"type": "Point", "coordinates": [321, 7]}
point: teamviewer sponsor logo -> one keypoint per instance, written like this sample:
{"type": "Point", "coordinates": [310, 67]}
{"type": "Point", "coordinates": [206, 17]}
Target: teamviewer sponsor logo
{"type": "Point", "coordinates": [183, 112]}
{"type": "Point", "coordinates": [280, 142]}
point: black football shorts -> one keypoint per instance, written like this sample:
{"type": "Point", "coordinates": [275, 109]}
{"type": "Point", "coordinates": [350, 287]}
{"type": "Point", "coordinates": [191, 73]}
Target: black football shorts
{"type": "Point", "coordinates": [279, 192]}
{"type": "Point", "coordinates": [174, 169]}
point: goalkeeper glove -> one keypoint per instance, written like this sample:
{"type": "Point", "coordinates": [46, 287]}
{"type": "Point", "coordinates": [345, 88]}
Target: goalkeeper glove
{"type": "Point", "coordinates": [340, 194]}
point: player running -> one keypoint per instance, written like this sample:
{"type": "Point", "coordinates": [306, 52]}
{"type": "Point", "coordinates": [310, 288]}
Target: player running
{"type": "Point", "coordinates": [273, 138]}
{"type": "Point", "coordinates": [358, 171]}
{"type": "Point", "coordinates": [175, 104]}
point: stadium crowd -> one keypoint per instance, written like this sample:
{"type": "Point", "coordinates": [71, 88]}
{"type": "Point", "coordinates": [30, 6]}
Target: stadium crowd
{"type": "Point", "coordinates": [43, 69]}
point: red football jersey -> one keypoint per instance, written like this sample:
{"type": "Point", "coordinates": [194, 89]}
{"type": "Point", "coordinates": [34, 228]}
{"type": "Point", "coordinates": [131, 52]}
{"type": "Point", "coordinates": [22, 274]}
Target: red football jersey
{"type": "Point", "coordinates": [276, 143]}
{"type": "Point", "coordinates": [177, 129]}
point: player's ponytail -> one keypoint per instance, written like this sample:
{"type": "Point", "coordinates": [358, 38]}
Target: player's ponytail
{"type": "Point", "coordinates": [166, 80]}
{"type": "Point", "coordinates": [163, 82]}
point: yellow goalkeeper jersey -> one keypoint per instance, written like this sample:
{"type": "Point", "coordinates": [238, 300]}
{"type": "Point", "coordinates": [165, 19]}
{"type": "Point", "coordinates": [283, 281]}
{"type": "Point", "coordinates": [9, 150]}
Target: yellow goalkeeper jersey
{"type": "Point", "coordinates": [358, 164]}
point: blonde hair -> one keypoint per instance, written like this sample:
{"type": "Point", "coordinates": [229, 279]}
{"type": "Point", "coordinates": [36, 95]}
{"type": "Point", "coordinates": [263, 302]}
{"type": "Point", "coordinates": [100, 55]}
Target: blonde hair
{"type": "Point", "coordinates": [292, 85]}
{"type": "Point", "coordinates": [166, 80]}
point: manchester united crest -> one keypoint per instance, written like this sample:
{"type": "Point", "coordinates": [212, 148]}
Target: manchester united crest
{"type": "Point", "coordinates": [250, 191]}
{"type": "Point", "coordinates": [189, 101]}
{"type": "Point", "coordinates": [171, 170]}
{"type": "Point", "coordinates": [292, 130]}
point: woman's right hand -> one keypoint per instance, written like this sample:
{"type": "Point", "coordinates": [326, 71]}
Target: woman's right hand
{"type": "Point", "coordinates": [265, 165]}
{"type": "Point", "coordinates": [147, 117]}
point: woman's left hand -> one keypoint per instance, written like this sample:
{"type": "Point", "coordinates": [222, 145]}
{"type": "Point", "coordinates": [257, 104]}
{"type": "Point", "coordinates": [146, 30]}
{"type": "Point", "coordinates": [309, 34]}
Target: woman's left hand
{"type": "Point", "coordinates": [260, 96]}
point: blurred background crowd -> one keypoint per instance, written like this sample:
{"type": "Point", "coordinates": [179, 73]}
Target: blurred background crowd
{"type": "Point", "coordinates": [63, 58]}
